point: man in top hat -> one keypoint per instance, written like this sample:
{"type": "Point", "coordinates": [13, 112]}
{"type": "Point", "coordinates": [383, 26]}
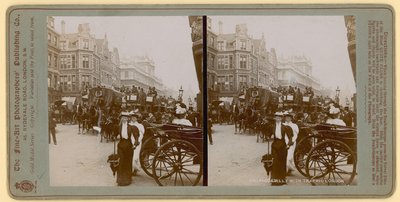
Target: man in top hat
{"type": "Point", "coordinates": [289, 122]}
{"type": "Point", "coordinates": [279, 148]}
{"type": "Point", "coordinates": [128, 142]}
{"type": "Point", "coordinates": [180, 113]}
{"type": "Point", "coordinates": [134, 115]}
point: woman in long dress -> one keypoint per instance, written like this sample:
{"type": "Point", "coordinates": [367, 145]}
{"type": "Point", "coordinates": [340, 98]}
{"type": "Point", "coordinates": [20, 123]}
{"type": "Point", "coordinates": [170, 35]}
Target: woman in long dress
{"type": "Point", "coordinates": [141, 130]}
{"type": "Point", "coordinates": [126, 145]}
{"type": "Point", "coordinates": [279, 150]}
{"type": "Point", "coordinates": [290, 156]}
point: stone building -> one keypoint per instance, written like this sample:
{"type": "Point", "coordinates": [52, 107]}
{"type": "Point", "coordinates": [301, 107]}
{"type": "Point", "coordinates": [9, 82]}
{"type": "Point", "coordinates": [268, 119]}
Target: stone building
{"type": "Point", "coordinates": [237, 60]}
{"type": "Point", "coordinates": [296, 71]}
{"type": "Point", "coordinates": [139, 71]}
{"type": "Point", "coordinates": [80, 61]}
{"type": "Point", "coordinates": [53, 62]}
{"type": "Point", "coordinates": [86, 62]}
{"type": "Point", "coordinates": [109, 63]}
{"type": "Point", "coordinates": [350, 23]}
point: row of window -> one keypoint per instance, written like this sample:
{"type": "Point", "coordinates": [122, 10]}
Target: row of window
{"type": "Point", "coordinates": [74, 44]}
{"type": "Point", "coordinates": [226, 83]}
{"type": "Point", "coordinates": [69, 62]}
{"type": "Point", "coordinates": [52, 39]}
{"type": "Point", "coordinates": [70, 82]}
{"type": "Point", "coordinates": [222, 45]}
{"type": "Point", "coordinates": [52, 60]}
{"type": "Point", "coordinates": [106, 78]}
{"type": "Point", "coordinates": [227, 62]}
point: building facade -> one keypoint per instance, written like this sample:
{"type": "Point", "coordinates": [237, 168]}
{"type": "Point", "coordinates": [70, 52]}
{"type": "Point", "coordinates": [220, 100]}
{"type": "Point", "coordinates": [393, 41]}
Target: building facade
{"type": "Point", "coordinates": [109, 64]}
{"type": "Point", "coordinates": [80, 61]}
{"type": "Point", "coordinates": [139, 71]}
{"type": "Point", "coordinates": [53, 62]}
{"type": "Point", "coordinates": [236, 60]}
{"type": "Point", "coordinates": [350, 23]}
{"type": "Point", "coordinates": [296, 71]}
{"type": "Point", "coordinates": [77, 61]}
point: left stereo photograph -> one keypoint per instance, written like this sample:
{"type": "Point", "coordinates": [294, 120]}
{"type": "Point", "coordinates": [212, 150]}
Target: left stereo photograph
{"type": "Point", "coordinates": [104, 102]}
{"type": "Point", "coordinates": [123, 108]}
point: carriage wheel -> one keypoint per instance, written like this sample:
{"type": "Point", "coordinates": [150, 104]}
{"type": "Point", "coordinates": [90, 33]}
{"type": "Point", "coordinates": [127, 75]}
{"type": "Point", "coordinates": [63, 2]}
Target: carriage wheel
{"type": "Point", "coordinates": [177, 163]}
{"type": "Point", "coordinates": [331, 162]}
{"type": "Point", "coordinates": [149, 148]}
{"type": "Point", "coordinates": [301, 151]}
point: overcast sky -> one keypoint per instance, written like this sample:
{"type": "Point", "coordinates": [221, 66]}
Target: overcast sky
{"type": "Point", "coordinates": [166, 39]}
{"type": "Point", "coordinates": [323, 39]}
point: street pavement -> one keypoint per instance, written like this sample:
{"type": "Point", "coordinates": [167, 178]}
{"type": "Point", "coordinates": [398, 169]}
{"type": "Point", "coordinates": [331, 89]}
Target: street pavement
{"type": "Point", "coordinates": [235, 160]}
{"type": "Point", "coordinates": [81, 160]}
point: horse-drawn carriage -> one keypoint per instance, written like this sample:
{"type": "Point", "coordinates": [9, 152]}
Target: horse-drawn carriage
{"type": "Point", "coordinates": [327, 154]}
{"type": "Point", "coordinates": [104, 105]}
{"type": "Point", "coordinates": [256, 106]}
{"type": "Point", "coordinates": [220, 112]}
{"type": "Point", "coordinates": [173, 154]}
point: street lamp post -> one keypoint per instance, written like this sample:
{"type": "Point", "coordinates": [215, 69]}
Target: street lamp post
{"type": "Point", "coordinates": [180, 95]}
{"type": "Point", "coordinates": [190, 102]}
{"type": "Point", "coordinates": [337, 95]}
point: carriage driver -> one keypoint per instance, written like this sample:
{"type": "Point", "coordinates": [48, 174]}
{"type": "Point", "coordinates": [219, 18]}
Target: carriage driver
{"type": "Point", "coordinates": [334, 116]}
{"type": "Point", "coordinates": [180, 114]}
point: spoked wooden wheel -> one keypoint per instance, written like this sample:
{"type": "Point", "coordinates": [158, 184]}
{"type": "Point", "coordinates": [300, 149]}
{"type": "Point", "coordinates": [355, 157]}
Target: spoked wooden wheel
{"type": "Point", "coordinates": [302, 150]}
{"type": "Point", "coordinates": [177, 163]}
{"type": "Point", "coordinates": [331, 162]}
{"type": "Point", "coordinates": [149, 148]}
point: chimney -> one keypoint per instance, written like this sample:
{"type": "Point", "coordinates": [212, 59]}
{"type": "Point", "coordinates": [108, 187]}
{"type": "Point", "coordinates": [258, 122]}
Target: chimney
{"type": "Point", "coordinates": [62, 27]}
{"type": "Point", "coordinates": [220, 27]}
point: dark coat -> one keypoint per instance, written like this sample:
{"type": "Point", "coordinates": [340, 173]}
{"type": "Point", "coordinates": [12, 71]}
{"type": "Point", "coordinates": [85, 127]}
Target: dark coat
{"type": "Point", "coordinates": [133, 132]}
{"type": "Point", "coordinates": [285, 130]}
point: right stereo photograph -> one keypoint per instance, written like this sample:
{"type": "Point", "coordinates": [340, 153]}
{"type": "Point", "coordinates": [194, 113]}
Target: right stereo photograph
{"type": "Point", "coordinates": [281, 96]}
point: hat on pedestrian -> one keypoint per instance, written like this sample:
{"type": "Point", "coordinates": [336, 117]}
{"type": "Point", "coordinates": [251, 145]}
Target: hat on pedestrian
{"type": "Point", "coordinates": [333, 110]}
{"type": "Point", "coordinates": [126, 114]}
{"type": "Point", "coordinates": [278, 114]}
{"type": "Point", "coordinates": [134, 113]}
{"type": "Point", "coordinates": [180, 108]}
{"type": "Point", "coordinates": [286, 113]}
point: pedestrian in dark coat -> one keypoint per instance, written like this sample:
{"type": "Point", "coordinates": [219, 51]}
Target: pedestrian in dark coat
{"type": "Point", "coordinates": [128, 141]}
{"type": "Point", "coordinates": [279, 149]}
{"type": "Point", "coordinates": [52, 128]}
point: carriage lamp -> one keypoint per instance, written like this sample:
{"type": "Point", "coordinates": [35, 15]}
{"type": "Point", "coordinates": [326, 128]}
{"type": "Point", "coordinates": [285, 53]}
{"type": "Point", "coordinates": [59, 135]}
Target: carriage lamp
{"type": "Point", "coordinates": [337, 91]}
{"type": "Point", "coordinates": [180, 94]}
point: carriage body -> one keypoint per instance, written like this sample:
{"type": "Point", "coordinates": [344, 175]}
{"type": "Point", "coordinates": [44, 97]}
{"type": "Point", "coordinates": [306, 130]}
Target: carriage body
{"type": "Point", "coordinates": [327, 154]}
{"type": "Point", "coordinates": [173, 155]}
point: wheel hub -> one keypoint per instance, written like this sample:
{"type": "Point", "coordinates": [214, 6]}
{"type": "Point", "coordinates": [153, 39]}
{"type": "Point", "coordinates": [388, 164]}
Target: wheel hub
{"type": "Point", "coordinates": [177, 166]}
{"type": "Point", "coordinates": [331, 166]}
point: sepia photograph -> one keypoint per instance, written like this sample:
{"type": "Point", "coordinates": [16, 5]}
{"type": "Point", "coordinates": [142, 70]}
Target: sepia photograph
{"type": "Point", "coordinates": [281, 96]}
{"type": "Point", "coordinates": [124, 100]}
